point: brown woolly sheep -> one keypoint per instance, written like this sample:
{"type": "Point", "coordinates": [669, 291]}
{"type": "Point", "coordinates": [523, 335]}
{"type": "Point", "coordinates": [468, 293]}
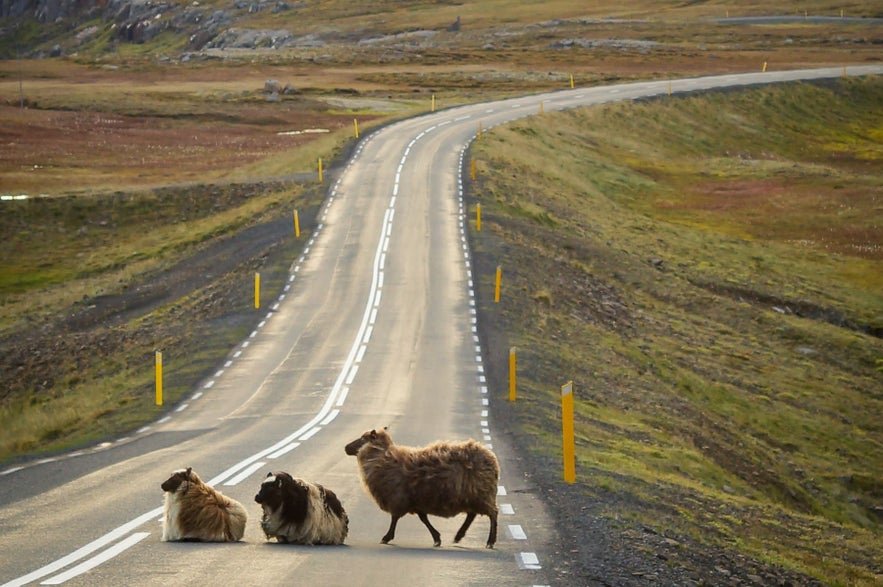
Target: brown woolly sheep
{"type": "Point", "coordinates": [300, 512]}
{"type": "Point", "coordinates": [195, 511]}
{"type": "Point", "coordinates": [443, 479]}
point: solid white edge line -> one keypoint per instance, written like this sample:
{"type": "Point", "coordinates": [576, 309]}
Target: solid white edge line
{"type": "Point", "coordinates": [311, 433]}
{"type": "Point", "coordinates": [84, 551]}
{"type": "Point", "coordinates": [244, 474]}
{"type": "Point", "coordinates": [352, 375]}
{"type": "Point", "coordinates": [93, 562]}
{"type": "Point", "coordinates": [329, 418]}
{"type": "Point", "coordinates": [283, 451]}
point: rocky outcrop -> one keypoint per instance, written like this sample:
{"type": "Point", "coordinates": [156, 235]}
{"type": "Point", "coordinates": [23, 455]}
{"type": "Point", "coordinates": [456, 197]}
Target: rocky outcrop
{"type": "Point", "coordinates": [139, 21]}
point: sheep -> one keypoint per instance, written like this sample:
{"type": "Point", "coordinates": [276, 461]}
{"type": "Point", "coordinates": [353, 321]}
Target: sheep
{"type": "Point", "coordinates": [300, 512]}
{"type": "Point", "coordinates": [194, 511]}
{"type": "Point", "coordinates": [443, 479]}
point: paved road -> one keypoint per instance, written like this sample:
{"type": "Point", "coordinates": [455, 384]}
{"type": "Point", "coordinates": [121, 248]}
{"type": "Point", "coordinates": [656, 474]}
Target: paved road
{"type": "Point", "coordinates": [377, 328]}
{"type": "Point", "coordinates": [807, 19]}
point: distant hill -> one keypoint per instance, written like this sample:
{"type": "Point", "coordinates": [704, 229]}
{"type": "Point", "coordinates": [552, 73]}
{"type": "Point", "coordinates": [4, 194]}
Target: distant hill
{"type": "Point", "coordinates": [41, 28]}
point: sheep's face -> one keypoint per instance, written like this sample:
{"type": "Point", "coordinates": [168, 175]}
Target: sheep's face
{"type": "Point", "coordinates": [280, 492]}
{"type": "Point", "coordinates": [178, 478]}
{"type": "Point", "coordinates": [278, 487]}
{"type": "Point", "coordinates": [378, 438]}
{"type": "Point", "coordinates": [270, 490]}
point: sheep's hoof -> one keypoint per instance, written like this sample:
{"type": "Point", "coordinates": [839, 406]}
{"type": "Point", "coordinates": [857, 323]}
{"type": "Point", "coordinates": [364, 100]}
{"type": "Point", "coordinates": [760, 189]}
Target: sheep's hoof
{"type": "Point", "coordinates": [490, 546]}
{"type": "Point", "coordinates": [437, 543]}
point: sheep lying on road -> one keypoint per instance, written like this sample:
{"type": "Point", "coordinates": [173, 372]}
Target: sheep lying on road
{"type": "Point", "coordinates": [195, 511]}
{"type": "Point", "coordinates": [443, 479]}
{"type": "Point", "coordinates": [300, 512]}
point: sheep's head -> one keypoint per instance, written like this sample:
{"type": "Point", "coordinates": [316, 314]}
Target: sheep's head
{"type": "Point", "coordinates": [178, 478]}
{"type": "Point", "coordinates": [281, 489]}
{"type": "Point", "coordinates": [376, 438]}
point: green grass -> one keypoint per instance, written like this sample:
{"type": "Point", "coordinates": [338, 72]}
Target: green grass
{"type": "Point", "coordinates": [99, 382]}
{"type": "Point", "coordinates": [77, 246]}
{"type": "Point", "coordinates": [712, 293]}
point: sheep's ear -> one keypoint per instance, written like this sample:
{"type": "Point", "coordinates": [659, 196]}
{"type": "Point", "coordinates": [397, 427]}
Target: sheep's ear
{"type": "Point", "coordinates": [386, 428]}
{"type": "Point", "coordinates": [189, 470]}
{"type": "Point", "coordinates": [270, 474]}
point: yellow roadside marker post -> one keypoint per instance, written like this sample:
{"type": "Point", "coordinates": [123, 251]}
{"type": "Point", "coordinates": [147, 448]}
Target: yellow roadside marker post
{"type": "Point", "coordinates": [567, 432]}
{"type": "Point", "coordinates": [512, 374]}
{"type": "Point", "coordinates": [158, 361]}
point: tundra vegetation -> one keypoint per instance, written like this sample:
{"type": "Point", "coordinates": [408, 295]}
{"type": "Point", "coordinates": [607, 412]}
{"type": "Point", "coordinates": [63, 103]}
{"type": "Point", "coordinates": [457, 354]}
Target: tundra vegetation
{"type": "Point", "coordinates": [706, 269]}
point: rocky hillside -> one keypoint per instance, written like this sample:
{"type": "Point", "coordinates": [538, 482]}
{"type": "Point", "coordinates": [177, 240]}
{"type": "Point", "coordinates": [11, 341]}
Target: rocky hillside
{"type": "Point", "coordinates": [39, 28]}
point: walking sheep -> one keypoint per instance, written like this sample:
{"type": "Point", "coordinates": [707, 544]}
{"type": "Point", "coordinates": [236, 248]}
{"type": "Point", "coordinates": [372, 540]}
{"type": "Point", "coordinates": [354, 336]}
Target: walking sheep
{"type": "Point", "coordinates": [300, 512]}
{"type": "Point", "coordinates": [195, 511]}
{"type": "Point", "coordinates": [443, 479]}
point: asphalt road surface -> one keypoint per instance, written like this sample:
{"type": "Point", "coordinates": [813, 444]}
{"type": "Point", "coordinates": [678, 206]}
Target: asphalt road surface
{"type": "Point", "coordinates": [377, 327]}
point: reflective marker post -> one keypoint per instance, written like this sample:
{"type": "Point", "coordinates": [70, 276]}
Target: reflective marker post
{"type": "Point", "coordinates": [567, 432]}
{"type": "Point", "coordinates": [512, 374]}
{"type": "Point", "coordinates": [158, 378]}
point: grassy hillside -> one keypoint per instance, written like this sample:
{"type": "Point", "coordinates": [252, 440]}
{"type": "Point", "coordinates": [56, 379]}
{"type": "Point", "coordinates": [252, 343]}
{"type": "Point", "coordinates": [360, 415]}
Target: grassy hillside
{"type": "Point", "coordinates": [92, 285]}
{"type": "Point", "coordinates": [708, 270]}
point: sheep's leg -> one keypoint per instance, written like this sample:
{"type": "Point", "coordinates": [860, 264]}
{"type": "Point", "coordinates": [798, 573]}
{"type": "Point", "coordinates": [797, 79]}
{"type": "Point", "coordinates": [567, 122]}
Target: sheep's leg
{"type": "Point", "coordinates": [492, 535]}
{"type": "Point", "coordinates": [436, 537]}
{"type": "Point", "coordinates": [466, 523]}
{"type": "Point", "coordinates": [391, 533]}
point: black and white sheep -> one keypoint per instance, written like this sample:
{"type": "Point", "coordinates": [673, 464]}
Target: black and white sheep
{"type": "Point", "coordinates": [443, 479]}
{"type": "Point", "coordinates": [194, 511]}
{"type": "Point", "coordinates": [300, 512]}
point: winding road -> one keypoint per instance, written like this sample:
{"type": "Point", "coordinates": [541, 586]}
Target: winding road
{"type": "Point", "coordinates": [376, 327]}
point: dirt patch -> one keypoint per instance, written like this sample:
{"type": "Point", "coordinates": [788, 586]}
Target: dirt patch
{"type": "Point", "coordinates": [47, 151]}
